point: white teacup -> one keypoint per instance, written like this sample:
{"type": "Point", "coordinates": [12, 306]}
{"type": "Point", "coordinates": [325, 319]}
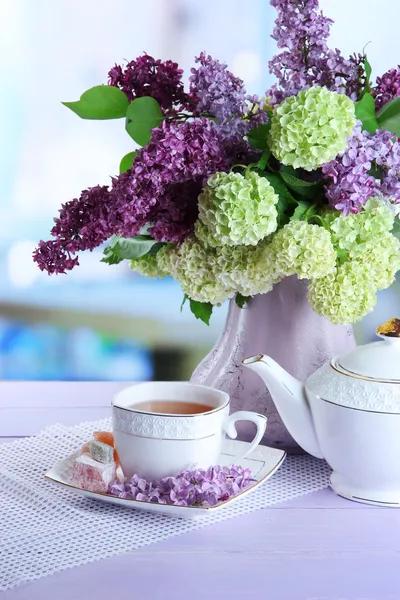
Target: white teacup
{"type": "Point", "coordinates": [156, 444]}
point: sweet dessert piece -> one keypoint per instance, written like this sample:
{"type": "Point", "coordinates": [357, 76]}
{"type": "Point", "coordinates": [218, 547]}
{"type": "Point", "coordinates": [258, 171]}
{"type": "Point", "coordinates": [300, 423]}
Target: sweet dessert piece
{"type": "Point", "coordinates": [91, 475]}
{"type": "Point", "coordinates": [106, 437]}
{"type": "Point", "coordinates": [85, 448]}
{"type": "Point", "coordinates": [101, 452]}
{"type": "Point", "coordinates": [390, 328]}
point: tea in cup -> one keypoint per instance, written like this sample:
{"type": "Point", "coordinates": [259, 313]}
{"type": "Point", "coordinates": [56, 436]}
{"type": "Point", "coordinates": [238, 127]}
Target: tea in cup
{"type": "Point", "coordinates": [164, 428]}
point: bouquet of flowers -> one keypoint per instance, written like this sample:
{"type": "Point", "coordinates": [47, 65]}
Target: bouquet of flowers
{"type": "Point", "coordinates": [230, 193]}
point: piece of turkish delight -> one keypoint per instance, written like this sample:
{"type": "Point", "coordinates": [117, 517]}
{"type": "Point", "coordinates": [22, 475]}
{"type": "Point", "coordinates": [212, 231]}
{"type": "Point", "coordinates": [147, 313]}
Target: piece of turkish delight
{"type": "Point", "coordinates": [85, 448]}
{"type": "Point", "coordinates": [89, 474]}
{"type": "Point", "coordinates": [107, 438]}
{"type": "Point", "coordinates": [101, 452]}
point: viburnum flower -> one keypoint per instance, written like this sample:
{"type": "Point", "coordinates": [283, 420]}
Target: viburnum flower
{"type": "Point", "coordinates": [237, 209]}
{"type": "Point", "coordinates": [195, 267]}
{"type": "Point", "coordinates": [349, 233]}
{"type": "Point", "coordinates": [311, 128]}
{"type": "Point", "coordinates": [146, 76]}
{"type": "Point", "coordinates": [151, 265]}
{"type": "Point", "coordinates": [195, 487]}
{"type": "Point", "coordinates": [249, 270]}
{"type": "Point", "coordinates": [305, 250]}
{"type": "Point", "coordinates": [382, 255]}
{"type": "Point", "coordinates": [372, 259]}
{"type": "Point", "coordinates": [345, 296]}
{"type": "Point", "coordinates": [387, 87]}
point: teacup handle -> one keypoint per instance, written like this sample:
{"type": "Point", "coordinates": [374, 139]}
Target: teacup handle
{"type": "Point", "coordinates": [229, 426]}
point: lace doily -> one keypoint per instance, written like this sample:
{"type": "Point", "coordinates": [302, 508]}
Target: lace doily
{"type": "Point", "coordinates": [45, 528]}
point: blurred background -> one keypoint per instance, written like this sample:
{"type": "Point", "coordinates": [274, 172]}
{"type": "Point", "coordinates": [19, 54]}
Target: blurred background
{"type": "Point", "coordinates": [101, 322]}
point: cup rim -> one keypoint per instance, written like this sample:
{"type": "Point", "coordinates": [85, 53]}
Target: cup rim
{"type": "Point", "coordinates": [175, 415]}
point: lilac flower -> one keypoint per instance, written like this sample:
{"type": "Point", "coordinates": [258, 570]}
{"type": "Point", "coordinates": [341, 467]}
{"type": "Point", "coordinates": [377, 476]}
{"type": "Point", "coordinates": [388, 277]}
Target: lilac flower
{"type": "Point", "coordinates": [302, 31]}
{"type": "Point", "coordinates": [216, 91]}
{"type": "Point", "coordinates": [160, 189]}
{"type": "Point", "coordinates": [146, 76]}
{"type": "Point", "coordinates": [387, 87]}
{"type": "Point", "coordinates": [351, 182]}
{"type": "Point", "coordinates": [167, 176]}
{"type": "Point", "coordinates": [196, 487]}
{"type": "Point", "coordinates": [50, 256]}
{"type": "Point", "coordinates": [83, 224]}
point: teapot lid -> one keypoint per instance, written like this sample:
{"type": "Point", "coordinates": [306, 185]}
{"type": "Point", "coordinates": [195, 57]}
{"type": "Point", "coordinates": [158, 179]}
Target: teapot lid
{"type": "Point", "coordinates": [378, 360]}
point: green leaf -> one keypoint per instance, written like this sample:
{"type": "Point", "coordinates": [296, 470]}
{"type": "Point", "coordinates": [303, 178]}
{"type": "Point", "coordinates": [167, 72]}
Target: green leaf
{"type": "Point", "coordinates": [367, 71]}
{"type": "Point", "coordinates": [258, 137]}
{"type": "Point", "coordinates": [304, 211]}
{"type": "Point", "coordinates": [342, 255]}
{"type": "Point", "coordinates": [286, 199]}
{"type": "Point", "coordinates": [375, 171]}
{"type": "Point", "coordinates": [126, 162]}
{"type": "Point", "coordinates": [262, 163]}
{"type": "Point", "coordinates": [185, 297]}
{"type": "Point", "coordinates": [110, 257]}
{"type": "Point", "coordinates": [129, 248]}
{"type": "Point", "coordinates": [389, 116]}
{"type": "Point", "coordinates": [365, 111]}
{"type": "Point", "coordinates": [241, 300]}
{"type": "Point", "coordinates": [306, 189]}
{"type": "Point", "coordinates": [143, 115]}
{"type": "Point", "coordinates": [396, 228]}
{"type": "Point", "coordinates": [201, 310]}
{"type": "Point", "coordinates": [100, 102]}
{"type": "Point", "coordinates": [286, 202]}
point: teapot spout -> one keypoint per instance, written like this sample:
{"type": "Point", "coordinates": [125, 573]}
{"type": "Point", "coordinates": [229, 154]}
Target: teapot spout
{"type": "Point", "coordinates": [290, 400]}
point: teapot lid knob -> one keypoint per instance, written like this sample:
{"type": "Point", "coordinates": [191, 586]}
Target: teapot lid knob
{"type": "Point", "coordinates": [389, 329]}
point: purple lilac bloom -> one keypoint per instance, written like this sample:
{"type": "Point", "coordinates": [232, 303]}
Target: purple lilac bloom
{"type": "Point", "coordinates": [146, 76]}
{"type": "Point", "coordinates": [352, 184]}
{"type": "Point", "coordinates": [167, 176]}
{"type": "Point", "coordinates": [83, 224]}
{"type": "Point", "coordinates": [161, 188]}
{"type": "Point", "coordinates": [387, 87]}
{"type": "Point", "coordinates": [301, 30]}
{"type": "Point", "coordinates": [216, 91]}
{"type": "Point", "coordinates": [197, 487]}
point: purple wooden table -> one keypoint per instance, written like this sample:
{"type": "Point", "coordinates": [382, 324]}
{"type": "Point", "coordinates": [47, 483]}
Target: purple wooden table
{"type": "Point", "coordinates": [318, 547]}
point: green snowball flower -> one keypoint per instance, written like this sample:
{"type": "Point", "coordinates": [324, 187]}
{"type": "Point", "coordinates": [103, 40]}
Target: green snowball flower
{"type": "Point", "coordinates": [382, 257]}
{"type": "Point", "coordinates": [150, 265]}
{"type": "Point", "coordinates": [345, 296]}
{"type": "Point", "coordinates": [352, 232]}
{"type": "Point", "coordinates": [311, 128]}
{"type": "Point", "coordinates": [237, 209]}
{"type": "Point", "coordinates": [195, 267]}
{"type": "Point", "coordinates": [166, 258]}
{"type": "Point", "coordinates": [372, 256]}
{"type": "Point", "coordinates": [249, 270]}
{"type": "Point", "coordinates": [305, 250]}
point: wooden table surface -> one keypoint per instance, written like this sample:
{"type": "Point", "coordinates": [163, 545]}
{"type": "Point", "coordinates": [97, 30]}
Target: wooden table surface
{"type": "Point", "coordinates": [318, 547]}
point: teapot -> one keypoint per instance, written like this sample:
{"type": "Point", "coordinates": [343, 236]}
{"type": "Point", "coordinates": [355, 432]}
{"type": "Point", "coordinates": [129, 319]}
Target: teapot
{"type": "Point", "coordinates": [347, 412]}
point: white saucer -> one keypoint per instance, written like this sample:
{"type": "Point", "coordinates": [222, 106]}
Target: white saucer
{"type": "Point", "coordinates": [263, 462]}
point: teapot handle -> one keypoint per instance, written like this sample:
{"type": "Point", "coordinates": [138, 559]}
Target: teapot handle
{"type": "Point", "coordinates": [260, 421]}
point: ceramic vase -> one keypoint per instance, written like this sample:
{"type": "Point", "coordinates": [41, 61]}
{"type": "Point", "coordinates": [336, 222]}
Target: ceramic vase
{"type": "Point", "coordinates": [282, 325]}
